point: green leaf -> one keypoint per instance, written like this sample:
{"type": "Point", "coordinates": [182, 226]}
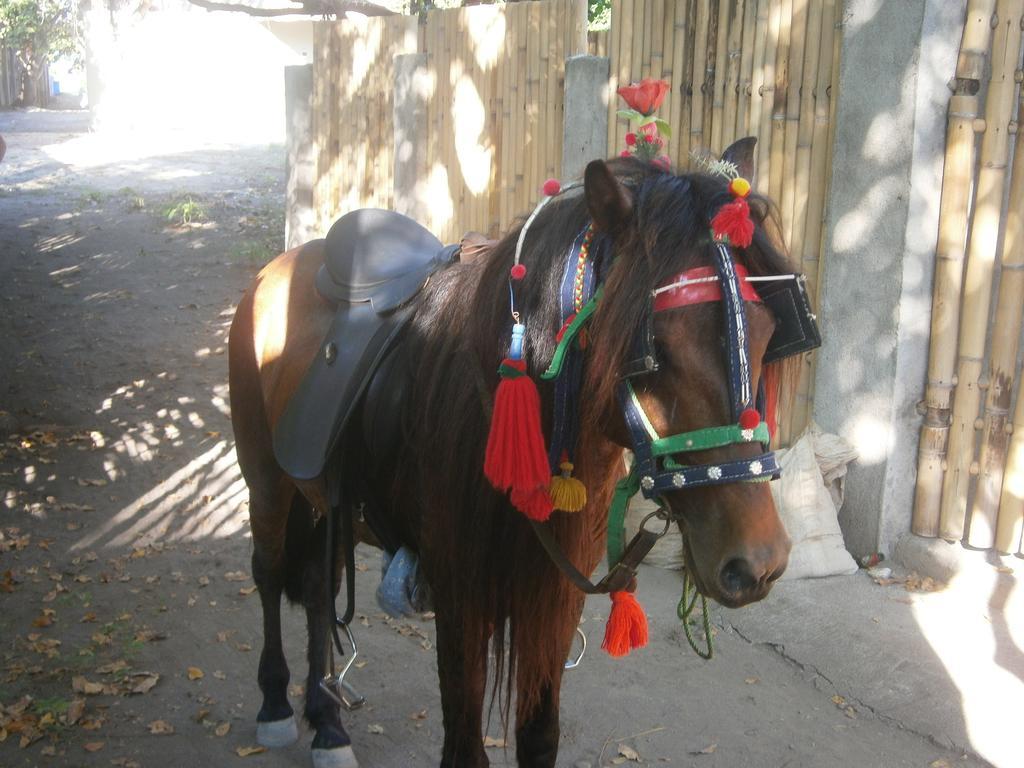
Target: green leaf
{"type": "Point", "coordinates": [630, 114]}
{"type": "Point", "coordinates": [663, 127]}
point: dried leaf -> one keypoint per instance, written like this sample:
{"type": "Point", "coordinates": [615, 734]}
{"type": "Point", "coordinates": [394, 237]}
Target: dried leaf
{"type": "Point", "coordinates": [247, 590]}
{"type": "Point", "coordinates": [114, 666]}
{"type": "Point", "coordinates": [236, 576]}
{"type": "Point", "coordinates": [93, 746]}
{"type": "Point", "coordinates": [421, 715]}
{"type": "Point", "coordinates": [629, 753]}
{"type": "Point", "coordinates": [940, 763]}
{"type": "Point", "coordinates": [752, 680]}
{"type": "Point", "coordinates": [375, 728]}
{"type": "Point", "coordinates": [161, 727]}
{"type": "Point", "coordinates": [88, 618]}
{"type": "Point", "coordinates": [222, 729]}
{"type": "Point", "coordinates": [246, 751]}
{"type": "Point", "coordinates": [143, 682]}
{"type": "Point", "coordinates": [49, 751]}
{"type": "Point", "coordinates": [195, 673]}
{"type": "Point", "coordinates": [74, 711]}
{"type": "Point", "coordinates": [492, 742]}
{"type": "Point", "coordinates": [80, 685]}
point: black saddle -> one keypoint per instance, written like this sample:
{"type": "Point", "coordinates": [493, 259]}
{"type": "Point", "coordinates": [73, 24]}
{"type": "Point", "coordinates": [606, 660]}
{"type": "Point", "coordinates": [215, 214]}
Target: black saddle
{"type": "Point", "coordinates": [376, 263]}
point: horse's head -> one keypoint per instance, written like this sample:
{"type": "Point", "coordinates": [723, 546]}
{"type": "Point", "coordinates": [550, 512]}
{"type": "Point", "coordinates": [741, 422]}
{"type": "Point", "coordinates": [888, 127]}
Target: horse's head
{"type": "Point", "coordinates": [735, 543]}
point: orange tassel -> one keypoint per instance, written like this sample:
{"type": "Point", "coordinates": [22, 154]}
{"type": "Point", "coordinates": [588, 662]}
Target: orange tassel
{"type": "Point", "coordinates": [627, 625]}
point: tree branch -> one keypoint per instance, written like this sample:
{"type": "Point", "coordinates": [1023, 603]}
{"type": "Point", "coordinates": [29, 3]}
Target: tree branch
{"type": "Point", "coordinates": [308, 7]}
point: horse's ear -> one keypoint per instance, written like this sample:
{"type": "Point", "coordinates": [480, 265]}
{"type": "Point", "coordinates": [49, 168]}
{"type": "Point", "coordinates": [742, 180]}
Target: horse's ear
{"type": "Point", "coordinates": [610, 203]}
{"type": "Point", "coordinates": [741, 154]}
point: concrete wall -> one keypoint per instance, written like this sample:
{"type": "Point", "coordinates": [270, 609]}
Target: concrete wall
{"type": "Point", "coordinates": [881, 225]}
{"type": "Point", "coordinates": [178, 67]}
{"type": "Point", "coordinates": [300, 223]}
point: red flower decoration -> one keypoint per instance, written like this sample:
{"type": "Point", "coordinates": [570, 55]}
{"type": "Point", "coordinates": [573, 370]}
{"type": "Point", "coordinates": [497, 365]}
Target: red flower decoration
{"type": "Point", "coordinates": [630, 139]}
{"type": "Point", "coordinates": [646, 96]}
{"type": "Point", "coordinates": [551, 187]}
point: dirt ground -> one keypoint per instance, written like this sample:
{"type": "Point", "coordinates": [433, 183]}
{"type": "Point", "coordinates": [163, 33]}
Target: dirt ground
{"type": "Point", "coordinates": [130, 631]}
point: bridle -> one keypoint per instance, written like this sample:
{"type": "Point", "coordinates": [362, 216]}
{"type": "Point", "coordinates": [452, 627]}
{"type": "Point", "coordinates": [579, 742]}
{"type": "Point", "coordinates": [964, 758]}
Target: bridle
{"type": "Point", "coordinates": [654, 467]}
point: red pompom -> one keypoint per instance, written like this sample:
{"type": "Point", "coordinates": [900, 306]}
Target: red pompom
{"type": "Point", "coordinates": [551, 187]}
{"type": "Point", "coordinates": [662, 162]}
{"type": "Point", "coordinates": [749, 419]}
{"type": "Point", "coordinates": [516, 458]}
{"type": "Point", "coordinates": [625, 153]}
{"type": "Point", "coordinates": [630, 139]}
{"type": "Point", "coordinates": [627, 625]}
{"type": "Point", "coordinates": [732, 223]}
{"type": "Point", "coordinates": [518, 272]}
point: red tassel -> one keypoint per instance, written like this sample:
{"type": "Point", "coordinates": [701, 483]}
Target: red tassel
{"type": "Point", "coordinates": [516, 457]}
{"type": "Point", "coordinates": [733, 222]}
{"type": "Point", "coordinates": [535, 504]}
{"type": "Point", "coordinates": [627, 625]}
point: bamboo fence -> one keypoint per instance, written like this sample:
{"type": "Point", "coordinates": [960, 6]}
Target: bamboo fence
{"type": "Point", "coordinates": [957, 493]}
{"type": "Point", "coordinates": [764, 68]}
{"type": "Point", "coordinates": [494, 116]}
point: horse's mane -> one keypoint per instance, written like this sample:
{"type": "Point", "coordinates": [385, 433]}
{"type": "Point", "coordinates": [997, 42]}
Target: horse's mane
{"type": "Point", "coordinates": [495, 568]}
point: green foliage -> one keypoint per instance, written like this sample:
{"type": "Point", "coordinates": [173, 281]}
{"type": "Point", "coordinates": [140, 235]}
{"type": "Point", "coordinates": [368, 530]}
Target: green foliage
{"type": "Point", "coordinates": [599, 12]}
{"type": "Point", "coordinates": [39, 31]}
{"type": "Point", "coordinates": [185, 210]}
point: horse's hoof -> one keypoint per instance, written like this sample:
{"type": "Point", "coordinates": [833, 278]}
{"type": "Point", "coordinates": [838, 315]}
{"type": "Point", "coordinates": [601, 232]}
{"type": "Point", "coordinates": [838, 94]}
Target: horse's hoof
{"type": "Point", "coordinates": [277, 733]}
{"type": "Point", "coordinates": [339, 757]}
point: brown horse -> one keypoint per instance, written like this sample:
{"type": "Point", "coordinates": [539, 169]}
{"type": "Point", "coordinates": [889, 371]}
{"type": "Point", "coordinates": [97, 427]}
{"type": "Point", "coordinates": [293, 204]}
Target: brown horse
{"type": "Point", "coordinates": [492, 583]}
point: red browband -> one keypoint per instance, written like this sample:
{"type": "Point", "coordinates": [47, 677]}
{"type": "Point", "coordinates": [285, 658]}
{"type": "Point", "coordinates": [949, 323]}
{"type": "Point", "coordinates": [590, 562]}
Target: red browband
{"type": "Point", "coordinates": [697, 288]}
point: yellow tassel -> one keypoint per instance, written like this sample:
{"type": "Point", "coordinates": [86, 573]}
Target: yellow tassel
{"type": "Point", "coordinates": [567, 492]}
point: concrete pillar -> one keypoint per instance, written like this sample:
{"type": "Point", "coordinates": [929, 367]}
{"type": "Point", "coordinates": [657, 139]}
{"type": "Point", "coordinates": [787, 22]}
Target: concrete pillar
{"type": "Point", "coordinates": [300, 224]}
{"type": "Point", "coordinates": [881, 226]}
{"type": "Point", "coordinates": [585, 129]}
{"type": "Point", "coordinates": [411, 171]}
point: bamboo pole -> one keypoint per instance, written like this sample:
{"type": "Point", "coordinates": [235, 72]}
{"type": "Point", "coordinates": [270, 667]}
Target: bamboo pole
{"type": "Point", "coordinates": [767, 91]}
{"type": "Point", "coordinates": [958, 170]}
{"type": "Point", "coordinates": [707, 119]}
{"type": "Point", "coordinates": [980, 263]}
{"type": "Point", "coordinates": [500, 131]}
{"type": "Point", "coordinates": [646, 40]}
{"type": "Point", "coordinates": [747, 46]}
{"type": "Point", "coordinates": [614, 69]}
{"type": "Point", "coordinates": [1002, 362]}
{"type": "Point", "coordinates": [781, 94]}
{"type": "Point", "coordinates": [657, 26]}
{"type": "Point", "coordinates": [731, 86]}
{"type": "Point", "coordinates": [799, 136]}
{"type": "Point", "coordinates": [700, 53]}
{"type": "Point", "coordinates": [679, 82]}
{"type": "Point", "coordinates": [669, 73]}
{"type": "Point", "coordinates": [720, 78]}
{"type": "Point", "coordinates": [794, 109]}
{"type": "Point", "coordinates": [636, 61]}
{"type": "Point", "coordinates": [626, 71]}
{"type": "Point", "coordinates": [757, 84]}
{"type": "Point", "coordinates": [1009, 537]}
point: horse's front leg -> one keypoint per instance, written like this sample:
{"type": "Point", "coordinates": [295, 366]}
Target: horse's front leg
{"type": "Point", "coordinates": [537, 729]}
{"type": "Point", "coordinates": [462, 669]}
{"type": "Point", "coordinates": [332, 747]}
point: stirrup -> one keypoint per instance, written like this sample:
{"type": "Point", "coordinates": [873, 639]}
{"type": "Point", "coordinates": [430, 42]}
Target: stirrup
{"type": "Point", "coordinates": [573, 663]}
{"type": "Point", "coordinates": [335, 686]}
